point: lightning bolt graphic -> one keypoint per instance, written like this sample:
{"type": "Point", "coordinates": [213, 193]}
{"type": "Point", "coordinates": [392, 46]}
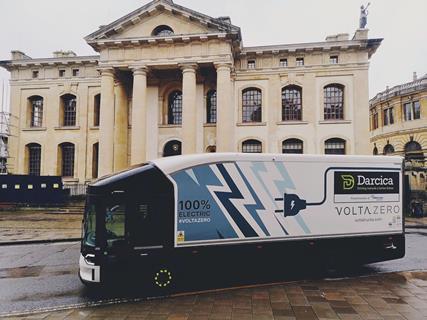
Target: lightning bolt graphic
{"type": "Point", "coordinates": [262, 174]}
{"type": "Point", "coordinates": [292, 204]}
{"type": "Point", "coordinates": [256, 206]}
{"type": "Point", "coordinates": [227, 197]}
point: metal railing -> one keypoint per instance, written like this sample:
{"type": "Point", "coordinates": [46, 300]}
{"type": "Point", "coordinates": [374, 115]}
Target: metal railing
{"type": "Point", "coordinates": [76, 190]}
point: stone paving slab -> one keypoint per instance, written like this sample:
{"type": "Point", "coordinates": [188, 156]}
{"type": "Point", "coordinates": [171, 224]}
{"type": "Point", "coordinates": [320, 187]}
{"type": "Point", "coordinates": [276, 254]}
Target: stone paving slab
{"type": "Point", "coordinates": [416, 222]}
{"type": "Point", "coordinates": [26, 225]}
{"type": "Point", "coordinates": [394, 296]}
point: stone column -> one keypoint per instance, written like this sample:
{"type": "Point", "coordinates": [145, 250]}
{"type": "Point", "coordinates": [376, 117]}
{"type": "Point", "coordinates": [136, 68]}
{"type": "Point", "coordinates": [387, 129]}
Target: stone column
{"type": "Point", "coordinates": [139, 116]}
{"type": "Point", "coordinates": [121, 128]}
{"type": "Point", "coordinates": [225, 111]}
{"type": "Point", "coordinates": [189, 110]}
{"type": "Point", "coordinates": [106, 126]}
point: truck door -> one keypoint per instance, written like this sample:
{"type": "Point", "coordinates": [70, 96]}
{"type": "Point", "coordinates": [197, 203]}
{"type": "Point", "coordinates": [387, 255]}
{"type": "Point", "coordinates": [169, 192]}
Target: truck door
{"type": "Point", "coordinates": [145, 223]}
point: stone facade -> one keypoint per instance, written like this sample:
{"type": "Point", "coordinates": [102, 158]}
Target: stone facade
{"type": "Point", "coordinates": [174, 80]}
{"type": "Point", "coordinates": [398, 126]}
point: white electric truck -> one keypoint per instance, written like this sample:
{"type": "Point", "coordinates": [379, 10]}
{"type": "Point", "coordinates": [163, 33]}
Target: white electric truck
{"type": "Point", "coordinates": [222, 205]}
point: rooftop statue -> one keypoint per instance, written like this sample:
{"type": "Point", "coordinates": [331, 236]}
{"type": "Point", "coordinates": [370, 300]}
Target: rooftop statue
{"type": "Point", "coordinates": [363, 16]}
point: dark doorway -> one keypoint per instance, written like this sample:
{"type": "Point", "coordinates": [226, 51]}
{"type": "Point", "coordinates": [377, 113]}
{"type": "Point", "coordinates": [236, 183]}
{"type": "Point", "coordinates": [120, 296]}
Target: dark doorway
{"type": "Point", "coordinates": [172, 148]}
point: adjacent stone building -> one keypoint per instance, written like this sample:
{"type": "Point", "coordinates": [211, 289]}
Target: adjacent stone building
{"type": "Point", "coordinates": [398, 123]}
{"type": "Point", "coordinates": [169, 80]}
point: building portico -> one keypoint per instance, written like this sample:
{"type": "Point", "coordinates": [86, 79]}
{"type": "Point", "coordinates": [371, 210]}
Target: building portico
{"type": "Point", "coordinates": [168, 80]}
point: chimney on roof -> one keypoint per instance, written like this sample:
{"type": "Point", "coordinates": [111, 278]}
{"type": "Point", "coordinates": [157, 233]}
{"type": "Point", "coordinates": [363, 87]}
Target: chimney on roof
{"type": "Point", "coordinates": [414, 76]}
{"type": "Point", "coordinates": [19, 55]}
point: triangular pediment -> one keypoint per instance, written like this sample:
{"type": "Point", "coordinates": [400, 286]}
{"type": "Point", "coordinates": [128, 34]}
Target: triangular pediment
{"type": "Point", "coordinates": [183, 21]}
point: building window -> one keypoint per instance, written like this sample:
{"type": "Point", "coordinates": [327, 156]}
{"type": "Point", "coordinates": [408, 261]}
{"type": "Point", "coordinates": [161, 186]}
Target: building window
{"type": "Point", "coordinates": [251, 64]}
{"type": "Point", "coordinates": [95, 160]}
{"type": "Point", "coordinates": [252, 146]}
{"type": "Point", "coordinates": [333, 59]}
{"type": "Point", "coordinates": [333, 102]}
{"type": "Point", "coordinates": [388, 149]}
{"type": "Point", "coordinates": [76, 72]}
{"type": "Point", "coordinates": [251, 105]}
{"type": "Point", "coordinates": [36, 103]}
{"type": "Point", "coordinates": [375, 120]}
{"type": "Point", "coordinates": [175, 108]}
{"type": "Point", "coordinates": [300, 62]}
{"type": "Point", "coordinates": [283, 62]}
{"type": "Point", "coordinates": [62, 73]}
{"type": "Point", "coordinates": [67, 159]}
{"type": "Point", "coordinates": [388, 116]}
{"type": "Point", "coordinates": [96, 110]}
{"type": "Point", "coordinates": [416, 110]}
{"type": "Point", "coordinates": [335, 146]}
{"type": "Point", "coordinates": [34, 159]}
{"type": "Point", "coordinates": [35, 74]}
{"type": "Point", "coordinates": [411, 111]}
{"type": "Point", "coordinates": [292, 146]}
{"type": "Point", "coordinates": [291, 103]}
{"type": "Point", "coordinates": [211, 102]}
{"type": "Point", "coordinates": [413, 151]}
{"type": "Point", "coordinates": [69, 107]}
{"type": "Point", "coordinates": [172, 148]}
{"type": "Point", "coordinates": [162, 31]}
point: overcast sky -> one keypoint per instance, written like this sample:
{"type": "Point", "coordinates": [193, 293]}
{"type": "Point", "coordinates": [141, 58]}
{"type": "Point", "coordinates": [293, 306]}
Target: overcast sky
{"type": "Point", "coordinates": [40, 27]}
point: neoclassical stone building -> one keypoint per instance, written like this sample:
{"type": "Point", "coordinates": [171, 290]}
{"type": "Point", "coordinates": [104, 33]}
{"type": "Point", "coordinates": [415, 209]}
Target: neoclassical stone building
{"type": "Point", "coordinates": [169, 80]}
{"type": "Point", "coordinates": [398, 123]}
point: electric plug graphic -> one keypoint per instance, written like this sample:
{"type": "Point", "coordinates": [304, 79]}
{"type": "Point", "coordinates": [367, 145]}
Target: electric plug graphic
{"type": "Point", "coordinates": [292, 204]}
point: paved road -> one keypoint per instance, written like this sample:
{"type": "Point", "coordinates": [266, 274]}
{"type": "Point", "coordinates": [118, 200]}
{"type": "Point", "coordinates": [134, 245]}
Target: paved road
{"type": "Point", "coordinates": [43, 277]}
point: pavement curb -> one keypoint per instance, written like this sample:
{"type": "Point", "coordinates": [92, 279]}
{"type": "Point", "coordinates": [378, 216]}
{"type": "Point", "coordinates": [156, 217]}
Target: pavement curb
{"type": "Point", "coordinates": [416, 227]}
{"type": "Point", "coordinates": [18, 243]}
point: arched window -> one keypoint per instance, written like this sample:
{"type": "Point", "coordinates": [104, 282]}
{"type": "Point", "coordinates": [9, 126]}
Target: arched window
{"type": "Point", "coordinates": [251, 105]}
{"type": "Point", "coordinates": [36, 105]}
{"type": "Point", "coordinates": [172, 148]}
{"type": "Point", "coordinates": [252, 146]}
{"type": "Point", "coordinates": [69, 106]}
{"type": "Point", "coordinates": [96, 110]}
{"type": "Point", "coordinates": [413, 151]}
{"type": "Point", "coordinates": [175, 107]}
{"type": "Point", "coordinates": [162, 31]}
{"type": "Point", "coordinates": [34, 151]}
{"type": "Point", "coordinates": [291, 103]}
{"type": "Point", "coordinates": [95, 160]}
{"type": "Point", "coordinates": [292, 146]}
{"type": "Point", "coordinates": [375, 151]}
{"type": "Point", "coordinates": [388, 149]}
{"type": "Point", "coordinates": [211, 149]}
{"type": "Point", "coordinates": [335, 146]}
{"type": "Point", "coordinates": [333, 102]}
{"type": "Point", "coordinates": [211, 106]}
{"type": "Point", "coordinates": [66, 157]}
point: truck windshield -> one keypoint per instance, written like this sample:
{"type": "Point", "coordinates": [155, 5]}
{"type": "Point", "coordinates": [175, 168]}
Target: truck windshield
{"type": "Point", "coordinates": [113, 215]}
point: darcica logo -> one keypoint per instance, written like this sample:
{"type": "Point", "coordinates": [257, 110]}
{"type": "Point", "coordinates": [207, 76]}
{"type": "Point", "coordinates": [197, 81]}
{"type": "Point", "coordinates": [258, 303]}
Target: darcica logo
{"type": "Point", "coordinates": [347, 182]}
{"type": "Point", "coordinates": [366, 182]}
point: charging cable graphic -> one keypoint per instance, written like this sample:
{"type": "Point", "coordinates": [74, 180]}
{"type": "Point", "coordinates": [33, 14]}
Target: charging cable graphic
{"type": "Point", "coordinates": [293, 204]}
